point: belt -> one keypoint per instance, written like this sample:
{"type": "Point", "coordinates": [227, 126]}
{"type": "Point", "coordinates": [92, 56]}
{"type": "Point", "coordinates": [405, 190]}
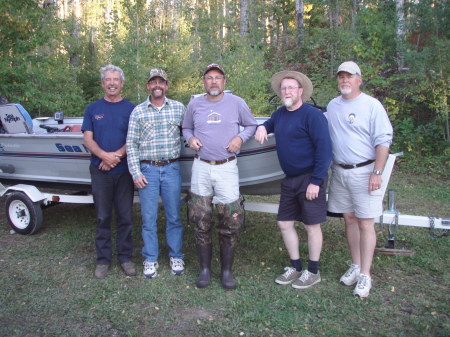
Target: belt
{"type": "Point", "coordinates": [348, 166]}
{"type": "Point", "coordinates": [159, 162]}
{"type": "Point", "coordinates": [216, 162]}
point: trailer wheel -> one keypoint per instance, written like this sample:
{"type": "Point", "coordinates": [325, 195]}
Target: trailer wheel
{"type": "Point", "coordinates": [24, 215]}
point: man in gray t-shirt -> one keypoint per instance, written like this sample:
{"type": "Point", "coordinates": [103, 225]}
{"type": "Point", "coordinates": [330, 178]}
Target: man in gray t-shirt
{"type": "Point", "coordinates": [361, 134]}
{"type": "Point", "coordinates": [212, 128]}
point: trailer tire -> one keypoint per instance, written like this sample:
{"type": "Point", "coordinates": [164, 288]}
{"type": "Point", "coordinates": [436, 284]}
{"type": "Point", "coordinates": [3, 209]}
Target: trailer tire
{"type": "Point", "coordinates": [24, 215]}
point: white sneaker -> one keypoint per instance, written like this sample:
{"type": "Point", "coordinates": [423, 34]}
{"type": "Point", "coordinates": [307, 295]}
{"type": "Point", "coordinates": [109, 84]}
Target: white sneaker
{"type": "Point", "coordinates": [351, 276]}
{"type": "Point", "coordinates": [150, 269]}
{"type": "Point", "coordinates": [363, 286]}
{"type": "Point", "coordinates": [177, 266]}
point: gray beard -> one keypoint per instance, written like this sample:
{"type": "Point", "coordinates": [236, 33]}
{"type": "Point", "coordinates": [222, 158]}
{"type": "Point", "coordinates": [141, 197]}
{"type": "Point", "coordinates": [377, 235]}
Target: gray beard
{"type": "Point", "coordinates": [345, 91]}
{"type": "Point", "coordinates": [215, 92]}
{"type": "Point", "coordinates": [288, 102]}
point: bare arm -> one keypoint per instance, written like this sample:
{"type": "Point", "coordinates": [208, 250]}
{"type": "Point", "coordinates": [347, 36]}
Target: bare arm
{"type": "Point", "coordinates": [235, 144]}
{"type": "Point", "coordinates": [195, 143]}
{"type": "Point", "coordinates": [312, 192]}
{"type": "Point", "coordinates": [261, 134]}
{"type": "Point", "coordinates": [122, 152]}
{"type": "Point", "coordinates": [381, 154]}
{"type": "Point", "coordinates": [140, 182]}
{"type": "Point", "coordinates": [109, 159]}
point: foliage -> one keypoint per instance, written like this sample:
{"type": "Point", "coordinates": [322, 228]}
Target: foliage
{"type": "Point", "coordinates": [32, 62]}
{"type": "Point", "coordinates": [50, 57]}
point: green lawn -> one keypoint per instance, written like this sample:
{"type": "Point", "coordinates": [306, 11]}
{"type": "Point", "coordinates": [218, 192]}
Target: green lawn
{"type": "Point", "coordinates": [47, 288]}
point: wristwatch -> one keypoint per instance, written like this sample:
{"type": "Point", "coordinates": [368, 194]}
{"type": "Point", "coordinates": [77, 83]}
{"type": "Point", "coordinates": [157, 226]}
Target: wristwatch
{"type": "Point", "coordinates": [377, 172]}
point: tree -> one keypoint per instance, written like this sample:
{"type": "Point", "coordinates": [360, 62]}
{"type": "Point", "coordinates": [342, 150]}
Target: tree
{"type": "Point", "coordinates": [244, 27]}
{"type": "Point", "coordinates": [400, 32]}
{"type": "Point", "coordinates": [299, 23]}
{"type": "Point", "coordinates": [32, 60]}
{"type": "Point", "coordinates": [354, 13]}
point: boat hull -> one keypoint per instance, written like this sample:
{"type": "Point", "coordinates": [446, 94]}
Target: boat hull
{"type": "Point", "coordinates": [61, 159]}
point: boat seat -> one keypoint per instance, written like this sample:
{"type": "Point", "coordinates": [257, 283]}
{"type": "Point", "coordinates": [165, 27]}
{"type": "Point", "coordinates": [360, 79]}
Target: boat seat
{"type": "Point", "coordinates": [71, 128]}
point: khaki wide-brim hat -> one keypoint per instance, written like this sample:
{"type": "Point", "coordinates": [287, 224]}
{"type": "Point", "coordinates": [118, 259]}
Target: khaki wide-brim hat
{"type": "Point", "coordinates": [304, 81]}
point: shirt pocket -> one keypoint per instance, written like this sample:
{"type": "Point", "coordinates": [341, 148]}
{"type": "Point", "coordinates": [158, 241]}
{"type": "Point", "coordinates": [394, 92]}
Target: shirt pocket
{"type": "Point", "coordinates": [173, 128]}
{"type": "Point", "coordinates": [148, 131]}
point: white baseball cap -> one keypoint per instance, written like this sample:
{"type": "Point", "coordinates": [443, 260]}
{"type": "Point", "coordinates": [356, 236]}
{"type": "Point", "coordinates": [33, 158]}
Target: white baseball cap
{"type": "Point", "coordinates": [349, 67]}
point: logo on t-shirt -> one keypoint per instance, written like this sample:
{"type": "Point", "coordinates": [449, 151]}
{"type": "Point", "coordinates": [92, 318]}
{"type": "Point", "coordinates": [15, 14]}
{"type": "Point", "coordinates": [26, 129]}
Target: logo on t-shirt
{"type": "Point", "coordinates": [98, 117]}
{"type": "Point", "coordinates": [351, 118]}
{"type": "Point", "coordinates": [213, 117]}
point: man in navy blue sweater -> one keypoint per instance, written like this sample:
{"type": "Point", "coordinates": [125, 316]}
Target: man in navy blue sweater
{"type": "Point", "coordinates": [304, 152]}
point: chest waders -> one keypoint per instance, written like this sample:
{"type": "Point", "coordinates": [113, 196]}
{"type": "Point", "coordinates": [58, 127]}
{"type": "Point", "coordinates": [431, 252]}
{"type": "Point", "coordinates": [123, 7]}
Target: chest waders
{"type": "Point", "coordinates": [230, 218]}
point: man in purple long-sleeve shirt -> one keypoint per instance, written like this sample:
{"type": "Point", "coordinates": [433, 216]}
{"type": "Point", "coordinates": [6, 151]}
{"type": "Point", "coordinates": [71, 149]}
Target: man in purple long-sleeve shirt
{"type": "Point", "coordinates": [212, 128]}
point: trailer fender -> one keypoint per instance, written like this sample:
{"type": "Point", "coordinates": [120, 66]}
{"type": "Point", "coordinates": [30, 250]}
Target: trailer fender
{"type": "Point", "coordinates": [31, 191]}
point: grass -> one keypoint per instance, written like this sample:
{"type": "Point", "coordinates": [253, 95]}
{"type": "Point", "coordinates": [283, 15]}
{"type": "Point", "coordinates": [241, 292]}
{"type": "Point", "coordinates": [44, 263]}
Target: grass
{"type": "Point", "coordinates": [47, 288]}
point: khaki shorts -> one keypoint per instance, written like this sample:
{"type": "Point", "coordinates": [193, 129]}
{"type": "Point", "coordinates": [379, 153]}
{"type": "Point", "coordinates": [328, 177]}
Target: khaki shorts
{"type": "Point", "coordinates": [349, 192]}
{"type": "Point", "coordinates": [220, 181]}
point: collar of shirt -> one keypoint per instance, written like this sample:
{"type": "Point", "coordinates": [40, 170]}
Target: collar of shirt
{"type": "Point", "coordinates": [150, 104]}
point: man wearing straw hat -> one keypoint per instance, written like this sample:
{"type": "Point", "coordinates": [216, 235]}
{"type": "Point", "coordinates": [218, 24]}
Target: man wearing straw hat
{"type": "Point", "coordinates": [304, 152]}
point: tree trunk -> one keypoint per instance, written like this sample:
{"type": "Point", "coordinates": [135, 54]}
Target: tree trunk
{"type": "Point", "coordinates": [400, 32]}
{"type": "Point", "coordinates": [333, 16]}
{"type": "Point", "coordinates": [333, 13]}
{"type": "Point", "coordinates": [299, 22]}
{"type": "Point", "coordinates": [354, 13]}
{"type": "Point", "coordinates": [244, 27]}
{"type": "Point", "coordinates": [76, 14]}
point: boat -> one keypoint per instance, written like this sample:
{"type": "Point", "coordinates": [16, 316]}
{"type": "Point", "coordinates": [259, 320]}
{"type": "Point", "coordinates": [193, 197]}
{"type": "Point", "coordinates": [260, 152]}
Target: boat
{"type": "Point", "coordinates": [49, 152]}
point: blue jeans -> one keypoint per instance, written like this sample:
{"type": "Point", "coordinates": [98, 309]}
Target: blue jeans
{"type": "Point", "coordinates": [164, 181]}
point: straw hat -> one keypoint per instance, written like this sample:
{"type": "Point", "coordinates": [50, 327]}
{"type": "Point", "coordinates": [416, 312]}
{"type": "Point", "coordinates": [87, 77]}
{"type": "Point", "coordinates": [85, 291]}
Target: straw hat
{"type": "Point", "coordinates": [304, 81]}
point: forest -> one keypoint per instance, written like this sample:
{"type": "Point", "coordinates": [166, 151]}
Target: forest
{"type": "Point", "coordinates": [51, 52]}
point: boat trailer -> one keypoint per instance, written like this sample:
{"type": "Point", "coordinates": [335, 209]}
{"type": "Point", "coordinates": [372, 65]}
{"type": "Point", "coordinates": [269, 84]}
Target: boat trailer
{"type": "Point", "coordinates": [24, 204]}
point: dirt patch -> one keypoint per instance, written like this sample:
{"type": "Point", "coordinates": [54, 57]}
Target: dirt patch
{"type": "Point", "coordinates": [182, 322]}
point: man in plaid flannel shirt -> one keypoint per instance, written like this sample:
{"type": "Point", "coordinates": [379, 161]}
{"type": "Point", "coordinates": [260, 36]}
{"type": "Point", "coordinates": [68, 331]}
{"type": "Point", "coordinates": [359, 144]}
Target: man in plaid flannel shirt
{"type": "Point", "coordinates": [153, 149]}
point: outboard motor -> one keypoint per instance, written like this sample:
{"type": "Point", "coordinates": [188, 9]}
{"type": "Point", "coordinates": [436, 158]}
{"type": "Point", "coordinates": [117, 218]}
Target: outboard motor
{"type": "Point", "coordinates": [15, 119]}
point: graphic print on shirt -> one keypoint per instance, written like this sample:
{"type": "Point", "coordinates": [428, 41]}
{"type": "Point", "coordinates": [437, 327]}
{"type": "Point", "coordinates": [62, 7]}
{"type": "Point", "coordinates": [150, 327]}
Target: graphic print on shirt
{"type": "Point", "coordinates": [98, 117]}
{"type": "Point", "coordinates": [351, 118]}
{"type": "Point", "coordinates": [214, 117]}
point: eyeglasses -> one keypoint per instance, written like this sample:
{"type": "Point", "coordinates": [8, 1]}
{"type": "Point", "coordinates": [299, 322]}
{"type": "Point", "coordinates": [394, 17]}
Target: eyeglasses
{"type": "Point", "coordinates": [157, 82]}
{"type": "Point", "coordinates": [217, 78]}
{"type": "Point", "coordinates": [288, 88]}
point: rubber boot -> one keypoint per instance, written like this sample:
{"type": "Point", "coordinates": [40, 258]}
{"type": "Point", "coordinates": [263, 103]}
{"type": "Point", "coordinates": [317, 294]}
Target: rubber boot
{"type": "Point", "coordinates": [226, 260]}
{"type": "Point", "coordinates": [204, 253]}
